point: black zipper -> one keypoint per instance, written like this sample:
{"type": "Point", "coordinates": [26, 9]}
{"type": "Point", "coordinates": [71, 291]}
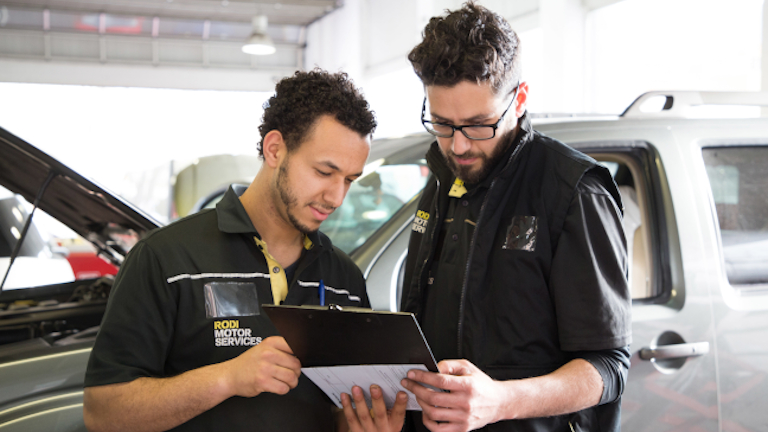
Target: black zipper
{"type": "Point", "coordinates": [518, 146]}
{"type": "Point", "coordinates": [466, 268]}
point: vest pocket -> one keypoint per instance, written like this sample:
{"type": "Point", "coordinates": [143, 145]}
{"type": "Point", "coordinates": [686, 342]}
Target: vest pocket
{"type": "Point", "coordinates": [521, 233]}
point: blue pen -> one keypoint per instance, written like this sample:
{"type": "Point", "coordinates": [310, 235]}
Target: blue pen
{"type": "Point", "coordinates": [321, 292]}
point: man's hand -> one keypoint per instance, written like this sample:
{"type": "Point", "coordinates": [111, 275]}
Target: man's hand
{"type": "Point", "coordinates": [268, 367]}
{"type": "Point", "coordinates": [473, 399]}
{"type": "Point", "coordinates": [378, 419]}
{"type": "Point", "coordinates": [158, 404]}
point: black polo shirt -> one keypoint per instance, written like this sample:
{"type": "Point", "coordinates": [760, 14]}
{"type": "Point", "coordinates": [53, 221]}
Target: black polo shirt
{"type": "Point", "coordinates": [441, 311]}
{"type": "Point", "coordinates": [190, 295]}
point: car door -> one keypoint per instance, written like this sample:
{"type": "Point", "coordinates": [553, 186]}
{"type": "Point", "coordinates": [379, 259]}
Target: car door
{"type": "Point", "coordinates": [672, 382]}
{"type": "Point", "coordinates": [737, 175]}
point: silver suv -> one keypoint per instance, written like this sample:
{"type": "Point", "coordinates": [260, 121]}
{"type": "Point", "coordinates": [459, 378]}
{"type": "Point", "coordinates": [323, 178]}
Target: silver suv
{"type": "Point", "coordinates": [696, 219]}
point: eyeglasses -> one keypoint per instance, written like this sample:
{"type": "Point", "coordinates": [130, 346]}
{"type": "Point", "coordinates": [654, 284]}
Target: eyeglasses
{"type": "Point", "coordinates": [473, 132]}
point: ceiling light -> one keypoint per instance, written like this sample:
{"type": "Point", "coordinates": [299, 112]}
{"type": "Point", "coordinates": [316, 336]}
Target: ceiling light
{"type": "Point", "coordinates": [259, 43]}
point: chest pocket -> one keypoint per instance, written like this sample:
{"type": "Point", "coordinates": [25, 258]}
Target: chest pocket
{"type": "Point", "coordinates": [522, 233]}
{"type": "Point", "coordinates": [230, 299]}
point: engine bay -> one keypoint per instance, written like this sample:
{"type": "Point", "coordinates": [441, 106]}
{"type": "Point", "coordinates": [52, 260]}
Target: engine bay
{"type": "Point", "coordinates": [56, 312]}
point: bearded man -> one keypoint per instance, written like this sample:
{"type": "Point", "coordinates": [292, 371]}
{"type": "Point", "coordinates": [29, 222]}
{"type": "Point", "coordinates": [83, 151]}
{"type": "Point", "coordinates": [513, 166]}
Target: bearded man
{"type": "Point", "coordinates": [520, 278]}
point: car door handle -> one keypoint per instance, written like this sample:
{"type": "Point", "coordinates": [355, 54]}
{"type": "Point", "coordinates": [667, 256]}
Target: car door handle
{"type": "Point", "coordinates": [675, 351]}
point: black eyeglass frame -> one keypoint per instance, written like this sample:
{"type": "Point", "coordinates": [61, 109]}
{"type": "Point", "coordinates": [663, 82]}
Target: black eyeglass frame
{"type": "Point", "coordinates": [461, 128]}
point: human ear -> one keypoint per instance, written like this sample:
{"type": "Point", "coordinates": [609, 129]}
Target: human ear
{"type": "Point", "coordinates": [522, 99]}
{"type": "Point", "coordinates": [273, 146]}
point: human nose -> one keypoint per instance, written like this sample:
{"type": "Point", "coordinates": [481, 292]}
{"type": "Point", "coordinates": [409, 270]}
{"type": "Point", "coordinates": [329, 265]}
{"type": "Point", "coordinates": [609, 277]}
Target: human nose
{"type": "Point", "coordinates": [336, 192]}
{"type": "Point", "coordinates": [461, 144]}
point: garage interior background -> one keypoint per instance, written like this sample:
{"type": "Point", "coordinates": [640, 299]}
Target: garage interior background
{"type": "Point", "coordinates": [131, 91]}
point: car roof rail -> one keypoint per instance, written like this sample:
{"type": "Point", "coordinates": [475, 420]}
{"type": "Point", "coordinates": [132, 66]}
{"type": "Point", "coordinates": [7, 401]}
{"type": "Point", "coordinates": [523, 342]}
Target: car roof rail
{"type": "Point", "coordinates": [678, 103]}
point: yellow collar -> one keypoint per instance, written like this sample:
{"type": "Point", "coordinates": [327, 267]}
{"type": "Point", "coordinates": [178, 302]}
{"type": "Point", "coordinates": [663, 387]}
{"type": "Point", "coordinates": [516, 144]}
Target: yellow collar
{"type": "Point", "coordinates": [457, 190]}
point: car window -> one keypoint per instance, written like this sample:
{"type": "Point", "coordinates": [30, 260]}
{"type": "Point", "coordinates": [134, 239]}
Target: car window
{"type": "Point", "coordinates": [50, 252]}
{"type": "Point", "coordinates": [644, 230]}
{"type": "Point", "coordinates": [634, 227]}
{"type": "Point", "coordinates": [373, 199]}
{"type": "Point", "coordinates": [738, 178]}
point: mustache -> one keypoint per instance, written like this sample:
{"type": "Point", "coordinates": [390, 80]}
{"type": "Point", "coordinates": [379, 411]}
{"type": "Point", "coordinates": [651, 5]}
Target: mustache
{"type": "Point", "coordinates": [467, 155]}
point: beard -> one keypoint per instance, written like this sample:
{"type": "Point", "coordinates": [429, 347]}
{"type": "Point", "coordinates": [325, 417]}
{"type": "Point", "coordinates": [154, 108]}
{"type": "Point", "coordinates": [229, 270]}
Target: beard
{"type": "Point", "coordinates": [288, 197]}
{"type": "Point", "coordinates": [286, 194]}
{"type": "Point", "coordinates": [474, 175]}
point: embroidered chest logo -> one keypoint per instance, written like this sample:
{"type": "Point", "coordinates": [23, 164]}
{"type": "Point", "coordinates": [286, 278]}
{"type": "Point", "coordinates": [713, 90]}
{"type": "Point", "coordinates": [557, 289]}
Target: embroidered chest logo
{"type": "Point", "coordinates": [420, 222]}
{"type": "Point", "coordinates": [229, 333]}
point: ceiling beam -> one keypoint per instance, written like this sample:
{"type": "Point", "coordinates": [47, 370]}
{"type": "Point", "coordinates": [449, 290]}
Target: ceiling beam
{"type": "Point", "coordinates": [294, 12]}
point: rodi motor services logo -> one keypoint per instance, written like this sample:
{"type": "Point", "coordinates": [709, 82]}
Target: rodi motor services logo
{"type": "Point", "coordinates": [420, 222]}
{"type": "Point", "coordinates": [229, 333]}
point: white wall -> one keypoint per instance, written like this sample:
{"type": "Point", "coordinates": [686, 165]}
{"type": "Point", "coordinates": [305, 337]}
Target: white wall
{"type": "Point", "coordinates": [578, 55]}
{"type": "Point", "coordinates": [334, 42]}
{"type": "Point", "coordinates": [562, 74]}
{"type": "Point", "coordinates": [389, 29]}
{"type": "Point", "coordinates": [369, 39]}
{"type": "Point", "coordinates": [641, 45]}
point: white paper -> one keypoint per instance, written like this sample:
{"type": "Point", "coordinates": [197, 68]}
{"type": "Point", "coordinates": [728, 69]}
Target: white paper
{"type": "Point", "coordinates": [335, 380]}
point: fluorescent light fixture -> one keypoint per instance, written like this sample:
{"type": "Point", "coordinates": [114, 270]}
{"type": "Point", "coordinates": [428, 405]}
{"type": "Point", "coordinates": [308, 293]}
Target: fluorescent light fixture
{"type": "Point", "coordinates": [259, 43]}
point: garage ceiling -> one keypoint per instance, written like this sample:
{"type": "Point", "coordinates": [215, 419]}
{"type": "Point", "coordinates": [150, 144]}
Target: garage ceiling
{"type": "Point", "coordinates": [291, 12]}
{"type": "Point", "coordinates": [205, 34]}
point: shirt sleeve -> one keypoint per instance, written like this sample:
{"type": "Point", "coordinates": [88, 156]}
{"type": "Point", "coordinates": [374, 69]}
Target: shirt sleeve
{"type": "Point", "coordinates": [365, 302]}
{"type": "Point", "coordinates": [362, 290]}
{"type": "Point", "coordinates": [613, 366]}
{"type": "Point", "coordinates": [589, 273]}
{"type": "Point", "coordinates": [137, 326]}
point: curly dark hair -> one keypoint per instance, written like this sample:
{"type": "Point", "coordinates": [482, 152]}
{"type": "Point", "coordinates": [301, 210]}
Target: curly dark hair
{"type": "Point", "coordinates": [301, 99]}
{"type": "Point", "coordinates": [470, 44]}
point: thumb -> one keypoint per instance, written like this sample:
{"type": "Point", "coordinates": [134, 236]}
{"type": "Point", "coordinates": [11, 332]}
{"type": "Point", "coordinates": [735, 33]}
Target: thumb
{"type": "Point", "coordinates": [279, 343]}
{"type": "Point", "coordinates": [455, 367]}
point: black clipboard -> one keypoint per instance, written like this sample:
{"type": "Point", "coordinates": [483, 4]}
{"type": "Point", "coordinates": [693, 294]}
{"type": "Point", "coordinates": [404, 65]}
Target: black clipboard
{"type": "Point", "coordinates": [338, 336]}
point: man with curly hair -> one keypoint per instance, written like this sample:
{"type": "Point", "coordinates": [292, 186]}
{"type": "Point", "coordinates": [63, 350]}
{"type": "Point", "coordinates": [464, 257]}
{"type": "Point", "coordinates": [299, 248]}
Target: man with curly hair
{"type": "Point", "coordinates": [516, 269]}
{"type": "Point", "coordinates": [184, 343]}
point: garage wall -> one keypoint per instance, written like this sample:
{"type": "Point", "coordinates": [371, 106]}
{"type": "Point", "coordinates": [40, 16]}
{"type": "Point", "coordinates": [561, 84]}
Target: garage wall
{"type": "Point", "coordinates": [590, 56]}
{"type": "Point", "coordinates": [389, 29]}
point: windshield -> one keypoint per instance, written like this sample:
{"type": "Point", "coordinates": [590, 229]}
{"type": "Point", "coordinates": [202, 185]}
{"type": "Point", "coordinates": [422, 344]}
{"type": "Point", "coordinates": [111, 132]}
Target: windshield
{"type": "Point", "coordinates": [372, 200]}
{"type": "Point", "coordinates": [397, 173]}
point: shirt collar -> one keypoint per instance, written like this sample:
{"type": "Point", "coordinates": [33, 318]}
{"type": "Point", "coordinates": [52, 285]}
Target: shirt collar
{"type": "Point", "coordinates": [234, 219]}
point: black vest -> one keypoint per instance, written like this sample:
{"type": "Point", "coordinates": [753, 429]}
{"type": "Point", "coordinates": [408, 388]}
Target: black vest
{"type": "Point", "coordinates": [507, 323]}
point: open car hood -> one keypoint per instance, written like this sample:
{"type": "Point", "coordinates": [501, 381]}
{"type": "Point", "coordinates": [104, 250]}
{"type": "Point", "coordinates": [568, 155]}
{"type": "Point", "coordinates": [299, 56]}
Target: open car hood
{"type": "Point", "coordinates": [109, 222]}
